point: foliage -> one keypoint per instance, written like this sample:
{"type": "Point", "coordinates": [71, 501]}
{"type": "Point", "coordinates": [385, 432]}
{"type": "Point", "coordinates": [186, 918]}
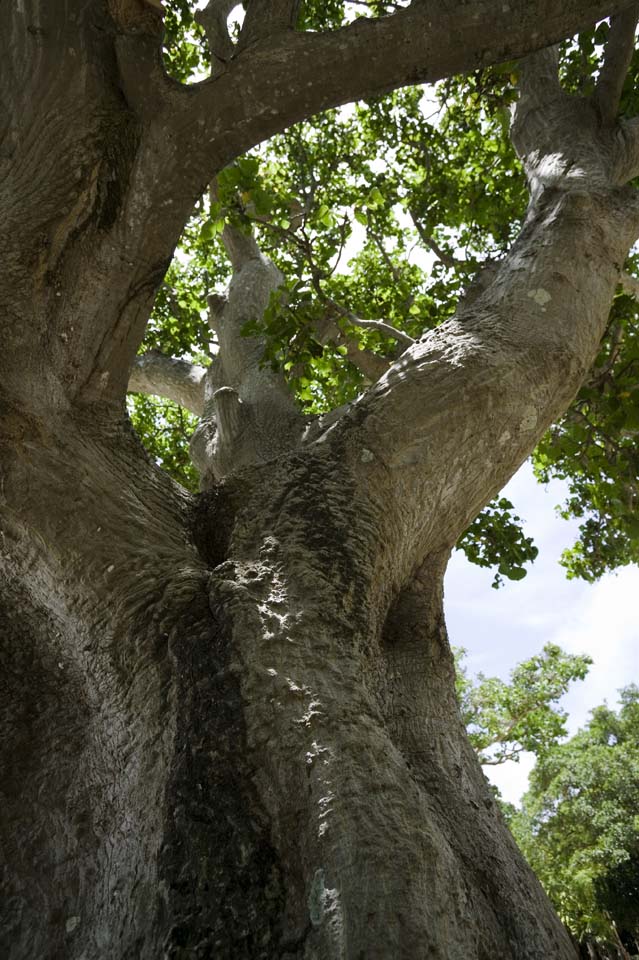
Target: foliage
{"type": "Point", "coordinates": [579, 824]}
{"type": "Point", "coordinates": [165, 428]}
{"type": "Point", "coordinates": [594, 449]}
{"type": "Point", "coordinates": [185, 52]}
{"type": "Point", "coordinates": [504, 719]}
{"type": "Point", "coordinates": [496, 539]}
{"type": "Point", "coordinates": [390, 210]}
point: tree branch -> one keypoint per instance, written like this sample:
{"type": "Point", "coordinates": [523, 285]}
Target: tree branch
{"type": "Point", "coordinates": [213, 18]}
{"type": "Point", "coordinates": [249, 414]}
{"type": "Point", "coordinates": [617, 56]}
{"type": "Point", "coordinates": [293, 74]}
{"type": "Point", "coordinates": [629, 285]}
{"type": "Point", "coordinates": [170, 139]}
{"type": "Point", "coordinates": [370, 364]}
{"type": "Point", "coordinates": [380, 325]}
{"type": "Point", "coordinates": [483, 387]}
{"type": "Point", "coordinates": [163, 376]}
{"type": "Point", "coordinates": [442, 255]}
{"type": "Point", "coordinates": [539, 79]}
{"type": "Point", "coordinates": [240, 245]}
{"type": "Point", "coordinates": [264, 18]}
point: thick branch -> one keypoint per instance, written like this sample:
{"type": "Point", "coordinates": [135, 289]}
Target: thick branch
{"type": "Point", "coordinates": [626, 135]}
{"type": "Point", "coordinates": [293, 75]}
{"type": "Point", "coordinates": [265, 18]}
{"type": "Point", "coordinates": [240, 247]}
{"type": "Point", "coordinates": [539, 78]}
{"type": "Point", "coordinates": [249, 414]}
{"type": "Point", "coordinates": [457, 414]}
{"type": "Point", "coordinates": [165, 142]}
{"type": "Point", "coordinates": [214, 20]}
{"type": "Point", "coordinates": [617, 57]}
{"type": "Point", "coordinates": [164, 376]}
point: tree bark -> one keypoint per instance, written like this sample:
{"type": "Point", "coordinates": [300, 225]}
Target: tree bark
{"type": "Point", "coordinates": [241, 750]}
{"type": "Point", "coordinates": [228, 722]}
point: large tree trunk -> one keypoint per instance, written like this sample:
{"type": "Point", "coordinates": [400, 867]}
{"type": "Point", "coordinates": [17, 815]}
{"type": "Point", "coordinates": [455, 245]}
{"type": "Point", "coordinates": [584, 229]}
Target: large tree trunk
{"type": "Point", "coordinates": [228, 723]}
{"type": "Point", "coordinates": [225, 735]}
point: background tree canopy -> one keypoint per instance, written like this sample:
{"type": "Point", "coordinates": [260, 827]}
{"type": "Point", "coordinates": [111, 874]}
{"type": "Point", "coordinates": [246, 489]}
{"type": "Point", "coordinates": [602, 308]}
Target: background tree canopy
{"type": "Point", "coordinates": [578, 823]}
{"type": "Point", "coordinates": [381, 216]}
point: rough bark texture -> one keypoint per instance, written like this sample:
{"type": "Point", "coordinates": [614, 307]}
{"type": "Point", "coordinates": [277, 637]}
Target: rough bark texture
{"type": "Point", "coordinates": [228, 725]}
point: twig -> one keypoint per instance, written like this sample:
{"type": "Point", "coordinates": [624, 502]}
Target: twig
{"type": "Point", "coordinates": [600, 373]}
{"type": "Point", "coordinates": [380, 325]}
{"type": "Point", "coordinates": [387, 260]}
{"type": "Point", "coordinates": [342, 244]}
{"type": "Point", "coordinates": [442, 255]}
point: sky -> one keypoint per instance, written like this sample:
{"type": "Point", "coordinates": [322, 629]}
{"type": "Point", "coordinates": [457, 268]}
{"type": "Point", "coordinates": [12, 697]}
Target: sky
{"type": "Point", "coordinates": [500, 628]}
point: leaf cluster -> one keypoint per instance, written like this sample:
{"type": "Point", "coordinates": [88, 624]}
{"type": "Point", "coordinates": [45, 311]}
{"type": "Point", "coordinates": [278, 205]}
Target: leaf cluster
{"type": "Point", "coordinates": [165, 429]}
{"type": "Point", "coordinates": [579, 824]}
{"type": "Point", "coordinates": [504, 719]}
{"type": "Point", "coordinates": [496, 538]}
{"type": "Point", "coordinates": [594, 449]}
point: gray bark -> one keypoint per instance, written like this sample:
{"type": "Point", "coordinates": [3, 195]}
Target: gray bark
{"type": "Point", "coordinates": [228, 722]}
{"type": "Point", "coordinates": [177, 380]}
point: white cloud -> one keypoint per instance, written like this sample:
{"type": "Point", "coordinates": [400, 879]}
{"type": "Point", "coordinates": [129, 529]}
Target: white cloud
{"type": "Point", "coordinates": [606, 627]}
{"type": "Point", "coordinates": [512, 778]}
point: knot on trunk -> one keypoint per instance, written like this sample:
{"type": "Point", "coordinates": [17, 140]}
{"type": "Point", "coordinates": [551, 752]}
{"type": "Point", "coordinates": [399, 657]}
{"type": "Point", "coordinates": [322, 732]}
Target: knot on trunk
{"type": "Point", "coordinates": [237, 432]}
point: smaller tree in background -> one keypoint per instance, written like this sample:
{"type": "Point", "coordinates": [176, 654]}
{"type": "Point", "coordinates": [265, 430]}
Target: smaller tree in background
{"type": "Point", "coordinates": [579, 825]}
{"type": "Point", "coordinates": [505, 719]}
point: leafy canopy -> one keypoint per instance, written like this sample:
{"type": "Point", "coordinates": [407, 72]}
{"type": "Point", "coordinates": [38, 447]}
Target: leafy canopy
{"type": "Point", "coordinates": [390, 210]}
{"type": "Point", "coordinates": [579, 824]}
{"type": "Point", "coordinates": [504, 719]}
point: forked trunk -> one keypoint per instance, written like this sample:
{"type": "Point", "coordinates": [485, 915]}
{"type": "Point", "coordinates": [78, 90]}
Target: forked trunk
{"type": "Point", "coordinates": [257, 752]}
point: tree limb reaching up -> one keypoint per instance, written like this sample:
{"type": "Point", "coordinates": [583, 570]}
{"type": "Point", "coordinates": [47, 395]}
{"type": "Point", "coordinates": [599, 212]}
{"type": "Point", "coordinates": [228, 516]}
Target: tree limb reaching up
{"type": "Point", "coordinates": [163, 376]}
{"type": "Point", "coordinates": [213, 18]}
{"type": "Point", "coordinates": [267, 17]}
{"type": "Point", "coordinates": [617, 56]}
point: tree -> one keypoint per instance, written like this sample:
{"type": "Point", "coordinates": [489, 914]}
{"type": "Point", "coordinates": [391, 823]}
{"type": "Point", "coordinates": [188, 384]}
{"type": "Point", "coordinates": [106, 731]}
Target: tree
{"type": "Point", "coordinates": [505, 719]}
{"type": "Point", "coordinates": [577, 825]}
{"type": "Point", "coordinates": [229, 725]}
{"type": "Point", "coordinates": [579, 829]}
